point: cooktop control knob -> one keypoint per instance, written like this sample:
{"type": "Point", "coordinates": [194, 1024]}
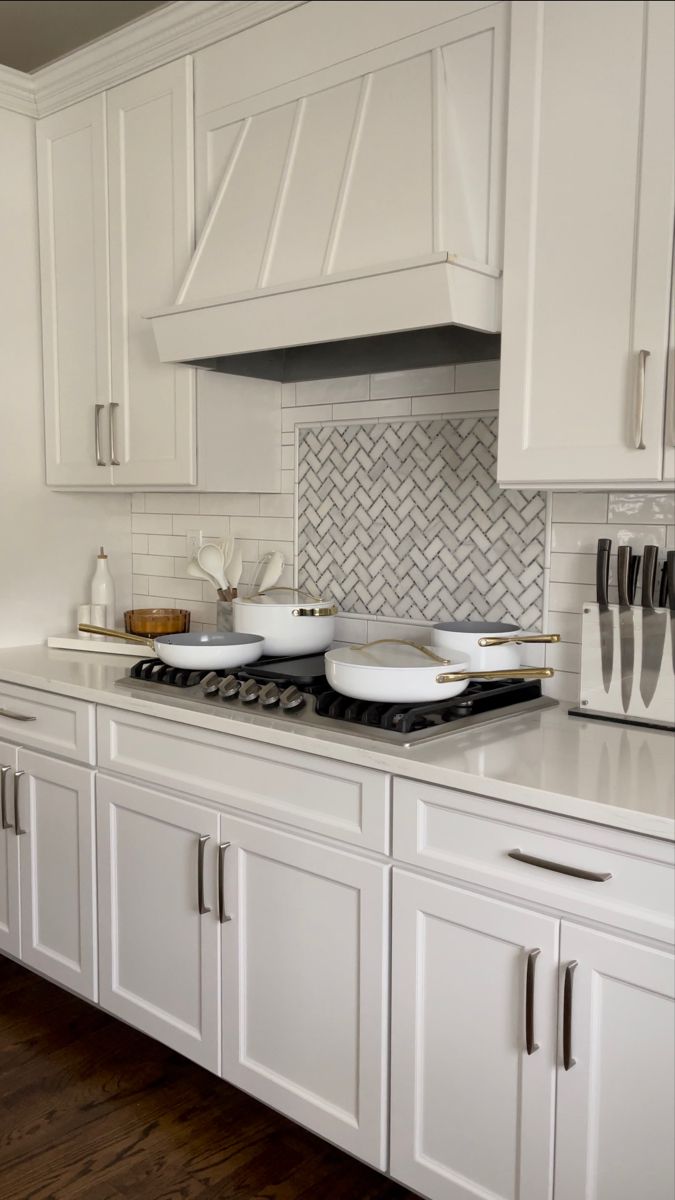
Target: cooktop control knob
{"type": "Point", "coordinates": [249, 691]}
{"type": "Point", "coordinates": [229, 687]}
{"type": "Point", "coordinates": [291, 699]}
{"type": "Point", "coordinates": [210, 684]}
{"type": "Point", "coordinates": [269, 695]}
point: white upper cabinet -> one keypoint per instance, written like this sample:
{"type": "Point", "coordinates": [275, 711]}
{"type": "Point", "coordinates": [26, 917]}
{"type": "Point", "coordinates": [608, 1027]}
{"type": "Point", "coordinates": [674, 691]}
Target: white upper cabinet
{"type": "Point", "coordinates": [588, 242]}
{"type": "Point", "coordinates": [151, 234]}
{"type": "Point", "coordinates": [71, 164]}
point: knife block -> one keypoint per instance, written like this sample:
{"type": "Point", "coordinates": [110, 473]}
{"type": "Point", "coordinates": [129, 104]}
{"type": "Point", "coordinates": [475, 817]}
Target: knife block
{"type": "Point", "coordinates": [595, 701]}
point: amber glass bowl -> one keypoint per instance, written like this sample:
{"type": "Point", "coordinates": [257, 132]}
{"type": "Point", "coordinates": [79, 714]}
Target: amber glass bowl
{"type": "Point", "coordinates": [151, 622]}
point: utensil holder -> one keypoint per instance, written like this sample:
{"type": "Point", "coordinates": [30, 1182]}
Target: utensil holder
{"type": "Point", "coordinates": [595, 701]}
{"type": "Point", "coordinates": [224, 616]}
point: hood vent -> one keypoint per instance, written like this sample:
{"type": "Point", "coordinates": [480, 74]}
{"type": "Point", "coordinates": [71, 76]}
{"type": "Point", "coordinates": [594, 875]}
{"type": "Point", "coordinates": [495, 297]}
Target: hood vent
{"type": "Point", "coordinates": [357, 223]}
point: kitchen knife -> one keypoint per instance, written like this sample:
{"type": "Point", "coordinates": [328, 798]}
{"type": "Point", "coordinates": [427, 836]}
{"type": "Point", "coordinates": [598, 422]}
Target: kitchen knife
{"type": "Point", "coordinates": [604, 613]}
{"type": "Point", "coordinates": [654, 627]}
{"type": "Point", "coordinates": [626, 630]}
{"type": "Point", "coordinates": [670, 576]}
{"type": "Point", "coordinates": [633, 573]}
{"type": "Point", "coordinates": [663, 589]}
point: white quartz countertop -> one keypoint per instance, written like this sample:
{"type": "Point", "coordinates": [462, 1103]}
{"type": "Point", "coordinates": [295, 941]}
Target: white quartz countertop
{"type": "Point", "coordinates": [611, 774]}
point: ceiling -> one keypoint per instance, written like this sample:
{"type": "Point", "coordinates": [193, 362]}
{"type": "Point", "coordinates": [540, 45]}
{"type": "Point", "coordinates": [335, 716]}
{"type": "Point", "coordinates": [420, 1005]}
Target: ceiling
{"type": "Point", "coordinates": [35, 32]}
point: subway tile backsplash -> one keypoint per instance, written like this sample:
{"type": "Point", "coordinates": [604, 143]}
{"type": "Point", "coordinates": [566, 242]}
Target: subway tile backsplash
{"type": "Point", "coordinates": [573, 520]}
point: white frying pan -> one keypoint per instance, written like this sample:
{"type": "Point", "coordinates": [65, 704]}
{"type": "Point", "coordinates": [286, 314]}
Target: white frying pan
{"type": "Point", "coordinates": [399, 672]}
{"type": "Point", "coordinates": [195, 651]}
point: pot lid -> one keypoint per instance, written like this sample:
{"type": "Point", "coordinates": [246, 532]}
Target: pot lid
{"type": "Point", "coordinates": [478, 628]}
{"type": "Point", "coordinates": [283, 597]}
{"type": "Point", "coordinates": [392, 654]}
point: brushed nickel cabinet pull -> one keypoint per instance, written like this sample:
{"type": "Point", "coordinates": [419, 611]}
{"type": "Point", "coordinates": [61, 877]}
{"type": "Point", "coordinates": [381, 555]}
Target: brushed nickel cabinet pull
{"type": "Point", "coordinates": [112, 409]}
{"type": "Point", "coordinates": [17, 816]}
{"type": "Point", "coordinates": [201, 847]}
{"type": "Point", "coordinates": [222, 915]}
{"type": "Point", "coordinates": [98, 409]}
{"type": "Point", "coordinates": [14, 716]}
{"type": "Point", "coordinates": [643, 355]}
{"type": "Point", "coordinates": [530, 1044]}
{"type": "Point", "coordinates": [568, 998]}
{"type": "Point", "coordinates": [561, 868]}
{"type": "Point", "coordinates": [4, 773]}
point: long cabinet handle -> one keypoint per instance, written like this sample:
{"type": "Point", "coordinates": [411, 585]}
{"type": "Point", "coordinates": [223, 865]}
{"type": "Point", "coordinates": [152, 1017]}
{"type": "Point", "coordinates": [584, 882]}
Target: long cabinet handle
{"type": "Point", "coordinates": [100, 461]}
{"type": "Point", "coordinates": [568, 999]}
{"type": "Point", "coordinates": [643, 355]}
{"type": "Point", "coordinates": [530, 1045]}
{"type": "Point", "coordinates": [17, 816]}
{"type": "Point", "coordinates": [4, 773]}
{"type": "Point", "coordinates": [548, 865]}
{"type": "Point", "coordinates": [222, 915]}
{"type": "Point", "coordinates": [15, 716]}
{"type": "Point", "coordinates": [112, 409]}
{"type": "Point", "coordinates": [201, 848]}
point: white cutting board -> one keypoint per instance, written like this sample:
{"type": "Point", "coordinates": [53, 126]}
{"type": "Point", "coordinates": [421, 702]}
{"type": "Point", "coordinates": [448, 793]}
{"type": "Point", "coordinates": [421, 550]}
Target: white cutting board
{"type": "Point", "coordinates": [594, 698]}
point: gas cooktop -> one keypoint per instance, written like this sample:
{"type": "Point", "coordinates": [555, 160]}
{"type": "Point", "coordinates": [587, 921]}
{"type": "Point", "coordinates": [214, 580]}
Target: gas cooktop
{"type": "Point", "coordinates": [296, 691]}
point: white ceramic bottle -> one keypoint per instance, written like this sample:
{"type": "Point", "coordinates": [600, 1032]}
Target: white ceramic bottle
{"type": "Point", "coordinates": [103, 588]}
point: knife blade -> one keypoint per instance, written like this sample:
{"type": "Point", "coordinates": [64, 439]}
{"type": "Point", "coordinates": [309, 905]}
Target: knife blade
{"type": "Point", "coordinates": [670, 576]}
{"type": "Point", "coordinates": [654, 627]}
{"type": "Point", "coordinates": [626, 630]}
{"type": "Point", "coordinates": [604, 615]}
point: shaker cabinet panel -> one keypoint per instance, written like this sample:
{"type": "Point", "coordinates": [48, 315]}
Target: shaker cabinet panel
{"type": "Point", "coordinates": [471, 1110]}
{"type": "Point", "coordinates": [73, 215]}
{"type": "Point", "coordinates": [151, 236]}
{"type": "Point", "coordinates": [589, 228]}
{"type": "Point", "coordinates": [616, 1088]}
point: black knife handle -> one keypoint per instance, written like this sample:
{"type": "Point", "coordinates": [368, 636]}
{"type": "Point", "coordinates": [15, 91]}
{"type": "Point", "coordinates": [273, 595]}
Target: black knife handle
{"type": "Point", "coordinates": [670, 576]}
{"type": "Point", "coordinates": [663, 589]}
{"type": "Point", "coordinates": [623, 574]}
{"type": "Point", "coordinates": [633, 573]}
{"type": "Point", "coordinates": [649, 564]}
{"type": "Point", "coordinates": [602, 570]}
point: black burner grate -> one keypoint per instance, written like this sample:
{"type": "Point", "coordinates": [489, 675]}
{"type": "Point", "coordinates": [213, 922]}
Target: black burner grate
{"type": "Point", "coordinates": [408, 718]}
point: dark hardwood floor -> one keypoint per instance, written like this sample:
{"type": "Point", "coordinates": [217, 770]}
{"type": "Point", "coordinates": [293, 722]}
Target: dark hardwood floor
{"type": "Point", "coordinates": [93, 1110]}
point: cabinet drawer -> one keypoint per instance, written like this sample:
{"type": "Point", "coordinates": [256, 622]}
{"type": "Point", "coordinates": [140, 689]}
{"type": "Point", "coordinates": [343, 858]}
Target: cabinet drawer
{"type": "Point", "coordinates": [471, 838]}
{"type": "Point", "coordinates": [303, 790]}
{"type": "Point", "coordinates": [45, 721]}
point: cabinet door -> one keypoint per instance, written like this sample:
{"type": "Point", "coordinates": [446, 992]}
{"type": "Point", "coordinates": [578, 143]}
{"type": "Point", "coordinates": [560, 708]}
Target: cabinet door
{"type": "Point", "coordinates": [55, 832]}
{"type": "Point", "coordinates": [471, 1111]}
{"type": "Point", "coordinates": [159, 952]}
{"type": "Point", "coordinates": [151, 237]}
{"type": "Point", "coordinates": [10, 933]}
{"type": "Point", "coordinates": [589, 227]}
{"type": "Point", "coordinates": [304, 993]}
{"type": "Point", "coordinates": [72, 195]}
{"type": "Point", "coordinates": [616, 1103]}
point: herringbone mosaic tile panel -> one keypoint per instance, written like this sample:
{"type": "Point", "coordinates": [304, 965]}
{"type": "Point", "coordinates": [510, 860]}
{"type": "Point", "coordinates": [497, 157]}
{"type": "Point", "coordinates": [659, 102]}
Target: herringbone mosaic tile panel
{"type": "Point", "coordinates": [406, 520]}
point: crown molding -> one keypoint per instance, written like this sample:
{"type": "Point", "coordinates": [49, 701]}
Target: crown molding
{"type": "Point", "coordinates": [17, 92]}
{"type": "Point", "coordinates": [152, 40]}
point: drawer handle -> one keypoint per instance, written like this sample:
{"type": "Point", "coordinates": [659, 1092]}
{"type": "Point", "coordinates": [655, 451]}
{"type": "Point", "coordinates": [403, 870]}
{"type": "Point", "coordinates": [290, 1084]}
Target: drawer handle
{"type": "Point", "coordinates": [201, 847]}
{"type": "Point", "coordinates": [561, 868]}
{"type": "Point", "coordinates": [17, 816]}
{"type": "Point", "coordinates": [639, 443]}
{"type": "Point", "coordinates": [14, 716]}
{"type": "Point", "coordinates": [4, 772]}
{"type": "Point", "coordinates": [568, 997]}
{"type": "Point", "coordinates": [530, 1044]}
{"type": "Point", "coordinates": [222, 915]}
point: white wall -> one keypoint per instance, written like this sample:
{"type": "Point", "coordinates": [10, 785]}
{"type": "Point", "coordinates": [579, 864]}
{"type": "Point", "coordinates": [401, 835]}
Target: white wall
{"type": "Point", "coordinates": [48, 541]}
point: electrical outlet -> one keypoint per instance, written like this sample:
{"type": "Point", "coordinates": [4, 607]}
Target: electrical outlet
{"type": "Point", "coordinates": [194, 541]}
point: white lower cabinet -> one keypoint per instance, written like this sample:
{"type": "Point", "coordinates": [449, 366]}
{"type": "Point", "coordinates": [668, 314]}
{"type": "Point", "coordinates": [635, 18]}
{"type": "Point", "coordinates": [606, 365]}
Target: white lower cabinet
{"type": "Point", "coordinates": [615, 1100]}
{"type": "Point", "coordinates": [472, 1112]}
{"type": "Point", "coordinates": [10, 911]}
{"type": "Point", "coordinates": [54, 814]}
{"type": "Point", "coordinates": [47, 873]}
{"type": "Point", "coordinates": [304, 982]}
{"type": "Point", "coordinates": [158, 929]}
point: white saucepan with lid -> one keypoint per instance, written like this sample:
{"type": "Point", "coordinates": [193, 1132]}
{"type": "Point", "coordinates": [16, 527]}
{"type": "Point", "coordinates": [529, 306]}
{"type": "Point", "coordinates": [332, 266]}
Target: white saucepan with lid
{"type": "Point", "coordinates": [489, 645]}
{"type": "Point", "coordinates": [399, 672]}
{"type": "Point", "coordinates": [291, 621]}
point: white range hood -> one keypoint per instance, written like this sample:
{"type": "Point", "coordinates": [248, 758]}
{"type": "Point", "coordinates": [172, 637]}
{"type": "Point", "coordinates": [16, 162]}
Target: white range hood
{"type": "Point", "coordinates": [357, 224]}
